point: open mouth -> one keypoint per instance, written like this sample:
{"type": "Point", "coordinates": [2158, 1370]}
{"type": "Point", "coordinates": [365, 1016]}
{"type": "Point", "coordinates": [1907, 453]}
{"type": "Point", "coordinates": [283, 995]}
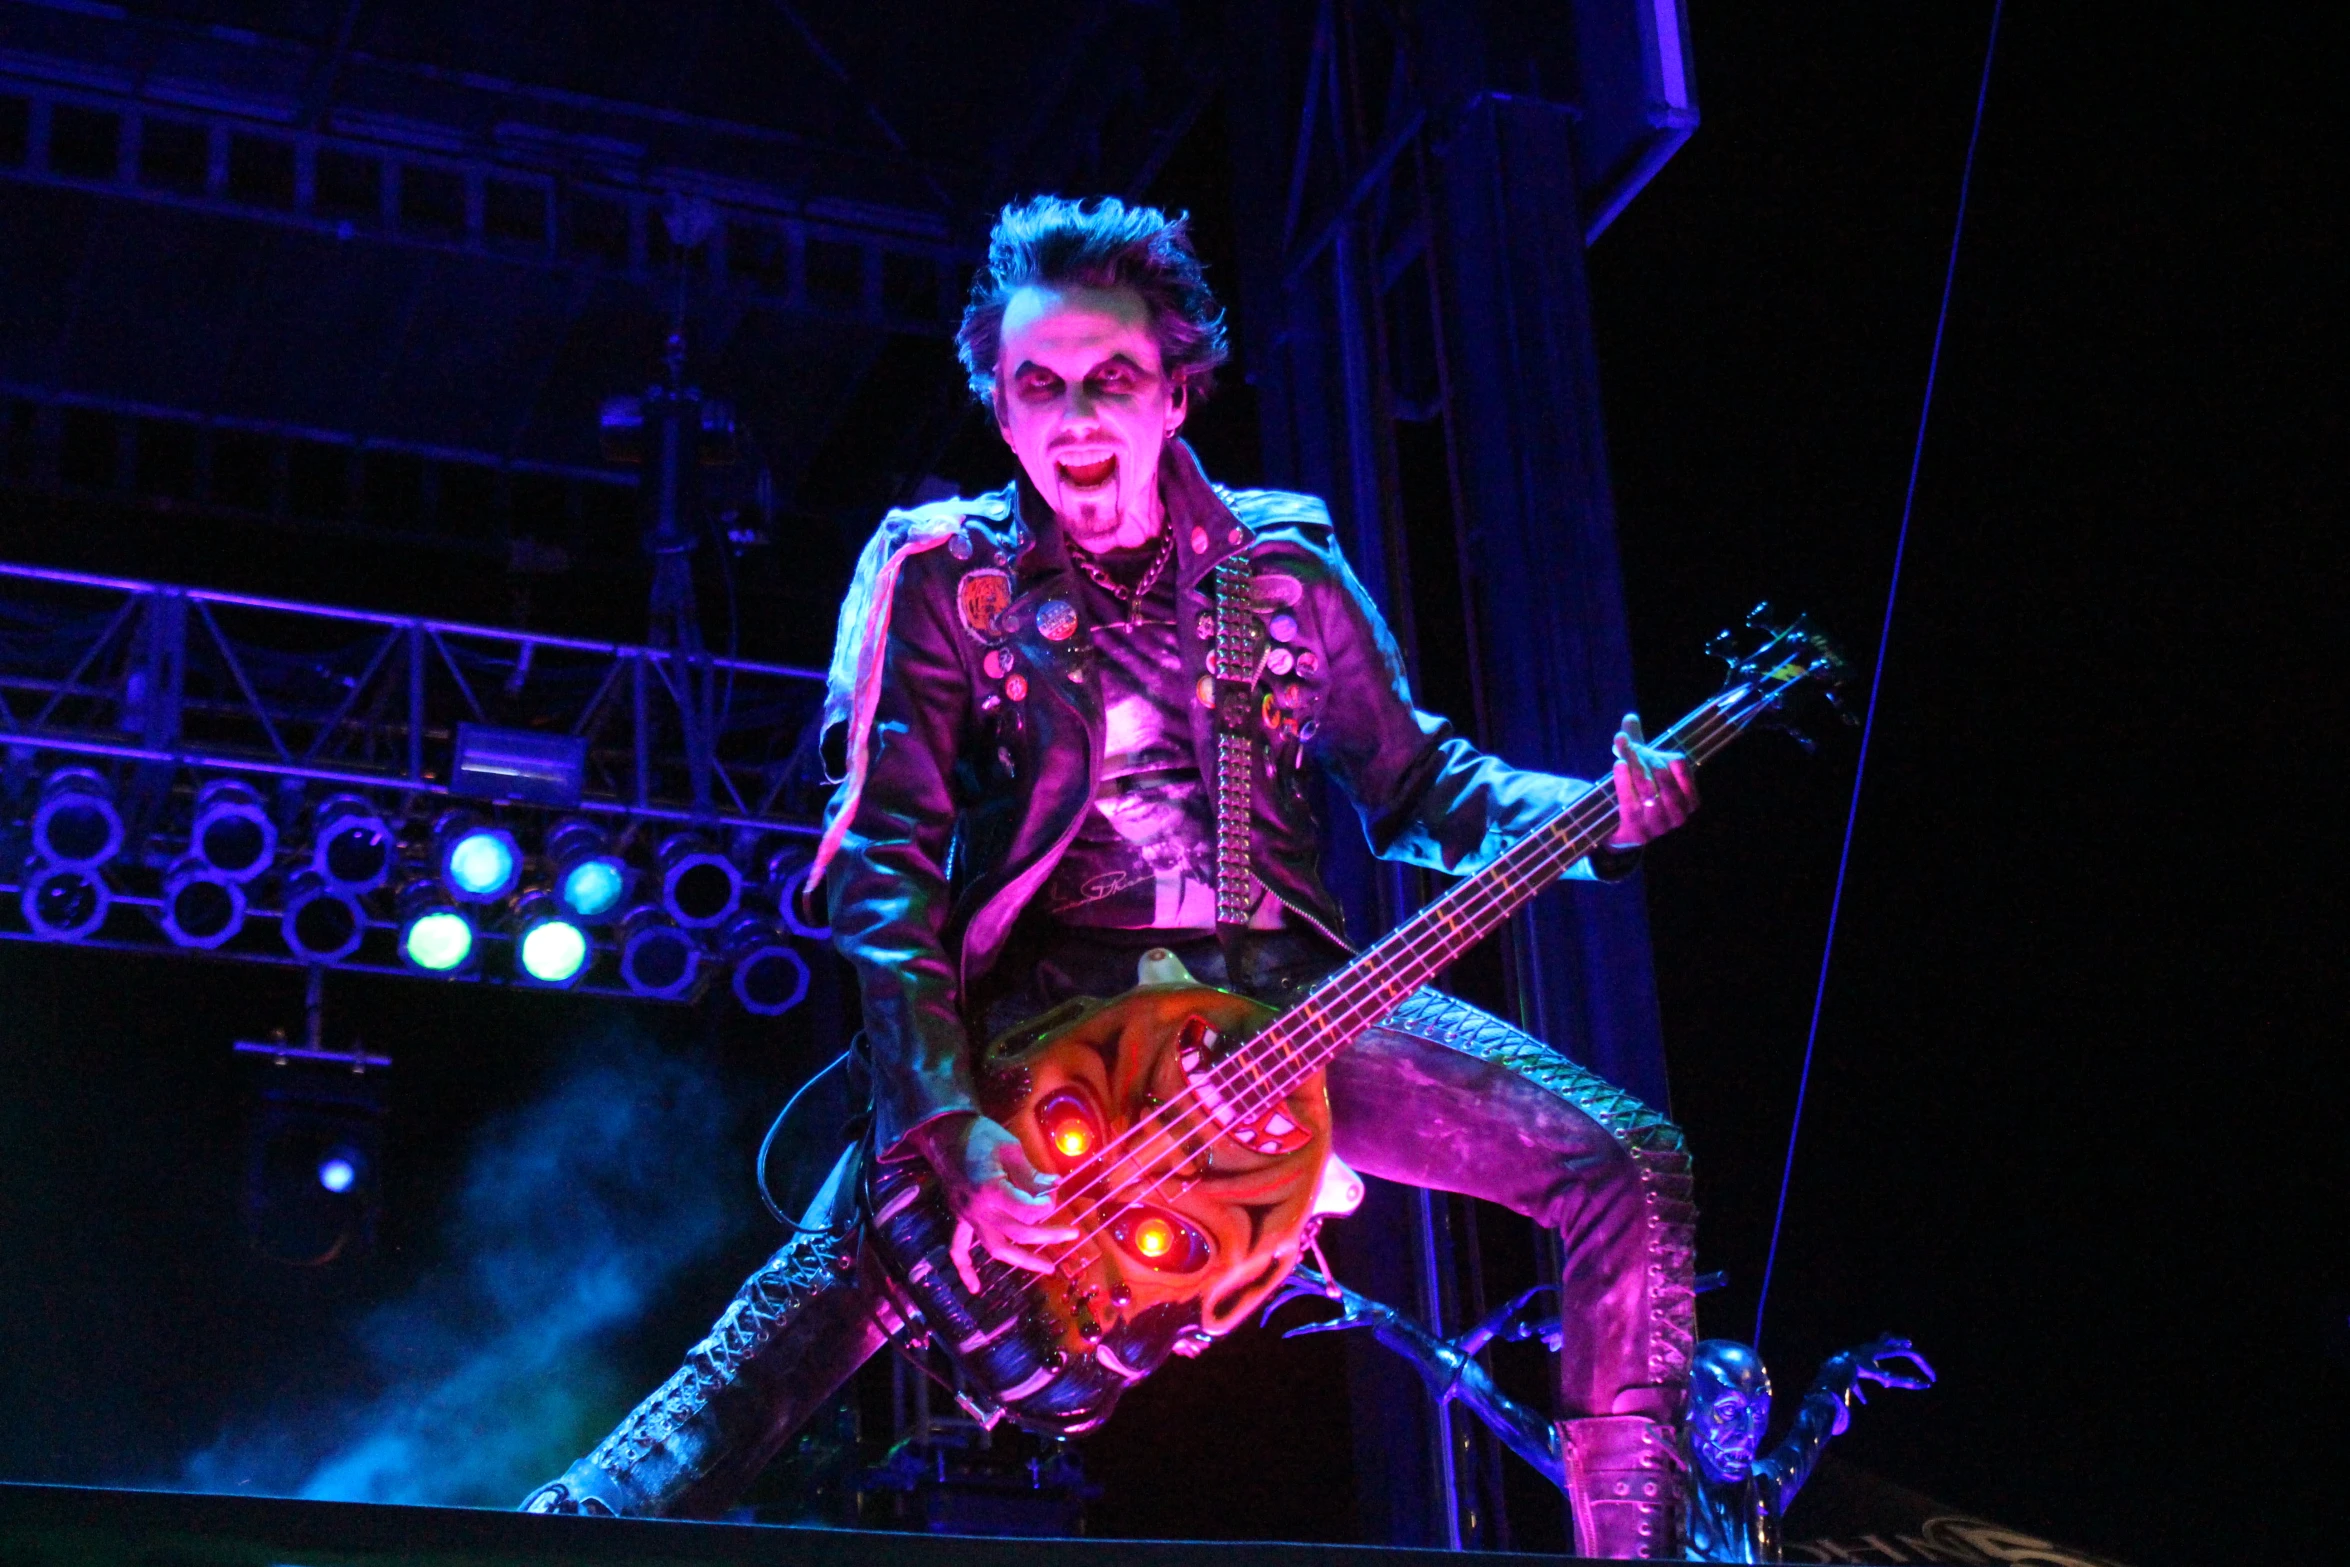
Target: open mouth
{"type": "Point", "coordinates": [1087, 475]}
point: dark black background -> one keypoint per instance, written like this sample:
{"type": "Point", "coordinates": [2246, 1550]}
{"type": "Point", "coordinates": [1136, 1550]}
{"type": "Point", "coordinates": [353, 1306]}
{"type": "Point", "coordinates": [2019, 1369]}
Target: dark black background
{"type": "Point", "coordinates": [2075, 1118]}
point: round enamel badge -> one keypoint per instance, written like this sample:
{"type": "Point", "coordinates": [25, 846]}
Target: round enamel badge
{"type": "Point", "coordinates": [1056, 619]}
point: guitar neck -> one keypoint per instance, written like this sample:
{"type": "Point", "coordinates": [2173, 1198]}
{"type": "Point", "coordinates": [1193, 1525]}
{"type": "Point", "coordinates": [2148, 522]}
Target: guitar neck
{"type": "Point", "coordinates": [1304, 1039]}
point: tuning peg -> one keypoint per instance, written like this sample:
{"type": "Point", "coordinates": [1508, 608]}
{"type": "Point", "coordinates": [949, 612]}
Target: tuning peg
{"type": "Point", "coordinates": [1763, 618]}
{"type": "Point", "coordinates": [1723, 645]}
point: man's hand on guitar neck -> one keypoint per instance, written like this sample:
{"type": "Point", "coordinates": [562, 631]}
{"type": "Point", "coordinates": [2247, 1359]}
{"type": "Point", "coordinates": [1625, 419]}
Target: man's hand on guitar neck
{"type": "Point", "coordinates": [998, 1196]}
{"type": "Point", "coordinates": [1656, 791]}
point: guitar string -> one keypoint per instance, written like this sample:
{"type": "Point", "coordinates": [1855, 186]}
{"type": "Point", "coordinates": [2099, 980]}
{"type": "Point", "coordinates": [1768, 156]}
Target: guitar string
{"type": "Point", "coordinates": [1483, 903]}
{"type": "Point", "coordinates": [1480, 904]}
{"type": "Point", "coordinates": [1358, 1005]}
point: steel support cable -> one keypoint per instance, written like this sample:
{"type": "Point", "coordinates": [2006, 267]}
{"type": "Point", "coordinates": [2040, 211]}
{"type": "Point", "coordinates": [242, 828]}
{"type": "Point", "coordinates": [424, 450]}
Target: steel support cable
{"type": "Point", "coordinates": [1877, 676]}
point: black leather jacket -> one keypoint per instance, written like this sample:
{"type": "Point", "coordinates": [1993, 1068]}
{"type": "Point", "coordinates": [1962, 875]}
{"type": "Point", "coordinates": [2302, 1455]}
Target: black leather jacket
{"type": "Point", "coordinates": [975, 782]}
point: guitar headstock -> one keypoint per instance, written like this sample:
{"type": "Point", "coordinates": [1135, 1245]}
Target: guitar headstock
{"type": "Point", "coordinates": [1779, 665]}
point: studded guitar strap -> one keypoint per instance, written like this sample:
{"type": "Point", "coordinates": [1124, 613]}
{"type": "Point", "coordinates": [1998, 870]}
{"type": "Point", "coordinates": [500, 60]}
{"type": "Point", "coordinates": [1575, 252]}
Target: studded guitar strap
{"type": "Point", "coordinates": [1232, 665]}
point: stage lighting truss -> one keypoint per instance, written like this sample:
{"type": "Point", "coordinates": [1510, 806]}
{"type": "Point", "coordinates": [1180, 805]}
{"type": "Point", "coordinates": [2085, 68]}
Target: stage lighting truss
{"type": "Point", "coordinates": [174, 782]}
{"type": "Point", "coordinates": [376, 887]}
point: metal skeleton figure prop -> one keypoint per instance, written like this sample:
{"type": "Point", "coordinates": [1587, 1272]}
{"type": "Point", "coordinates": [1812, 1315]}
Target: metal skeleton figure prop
{"type": "Point", "coordinates": [1738, 1502]}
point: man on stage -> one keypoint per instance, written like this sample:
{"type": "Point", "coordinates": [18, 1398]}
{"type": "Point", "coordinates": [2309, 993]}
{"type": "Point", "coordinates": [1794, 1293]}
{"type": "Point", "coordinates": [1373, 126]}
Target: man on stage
{"type": "Point", "coordinates": [1015, 827]}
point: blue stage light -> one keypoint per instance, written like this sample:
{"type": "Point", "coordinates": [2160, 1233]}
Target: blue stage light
{"type": "Point", "coordinates": [75, 822]}
{"type": "Point", "coordinates": [550, 948]}
{"type": "Point", "coordinates": [699, 886]}
{"type": "Point", "coordinates": [337, 1174]}
{"type": "Point", "coordinates": [64, 902]}
{"type": "Point", "coordinates": [801, 906]}
{"type": "Point", "coordinates": [590, 878]}
{"type": "Point", "coordinates": [656, 958]}
{"type": "Point", "coordinates": [233, 832]}
{"type": "Point", "coordinates": [322, 922]}
{"type": "Point", "coordinates": [479, 863]}
{"type": "Point", "coordinates": [352, 846]}
{"type": "Point", "coordinates": [769, 978]}
{"type": "Point", "coordinates": [202, 907]}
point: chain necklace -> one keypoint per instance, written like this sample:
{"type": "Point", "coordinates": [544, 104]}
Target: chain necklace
{"type": "Point", "coordinates": [1129, 596]}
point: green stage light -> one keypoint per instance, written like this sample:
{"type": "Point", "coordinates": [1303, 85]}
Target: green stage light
{"type": "Point", "coordinates": [439, 942]}
{"type": "Point", "coordinates": [551, 949]}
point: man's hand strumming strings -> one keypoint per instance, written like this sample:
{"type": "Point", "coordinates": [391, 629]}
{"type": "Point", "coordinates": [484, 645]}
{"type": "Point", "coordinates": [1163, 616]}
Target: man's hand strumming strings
{"type": "Point", "coordinates": [998, 1196]}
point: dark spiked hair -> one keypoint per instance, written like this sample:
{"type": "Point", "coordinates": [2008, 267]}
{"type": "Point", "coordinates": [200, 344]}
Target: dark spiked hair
{"type": "Point", "coordinates": [1102, 243]}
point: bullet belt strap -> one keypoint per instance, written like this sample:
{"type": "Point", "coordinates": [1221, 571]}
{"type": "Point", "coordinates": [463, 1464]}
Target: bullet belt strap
{"type": "Point", "coordinates": [1233, 664]}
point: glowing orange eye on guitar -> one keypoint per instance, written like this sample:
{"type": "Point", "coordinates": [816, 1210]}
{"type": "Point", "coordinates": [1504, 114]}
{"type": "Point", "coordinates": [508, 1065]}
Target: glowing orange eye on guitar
{"type": "Point", "coordinates": [1070, 1128]}
{"type": "Point", "coordinates": [1160, 1241]}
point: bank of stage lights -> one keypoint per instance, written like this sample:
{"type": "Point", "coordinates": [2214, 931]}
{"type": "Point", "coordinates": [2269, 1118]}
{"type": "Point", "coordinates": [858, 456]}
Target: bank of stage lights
{"type": "Point", "coordinates": [468, 875]}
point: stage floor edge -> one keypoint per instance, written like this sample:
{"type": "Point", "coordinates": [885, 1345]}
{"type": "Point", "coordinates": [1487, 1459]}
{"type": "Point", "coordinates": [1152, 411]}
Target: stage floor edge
{"type": "Point", "coordinates": [64, 1526]}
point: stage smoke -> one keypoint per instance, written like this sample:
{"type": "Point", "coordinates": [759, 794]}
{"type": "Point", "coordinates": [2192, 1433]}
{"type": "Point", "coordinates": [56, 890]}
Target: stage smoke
{"type": "Point", "coordinates": [575, 1214]}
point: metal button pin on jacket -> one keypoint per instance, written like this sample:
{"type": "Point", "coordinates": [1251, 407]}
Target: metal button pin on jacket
{"type": "Point", "coordinates": [997, 663]}
{"type": "Point", "coordinates": [1207, 690]}
{"type": "Point", "coordinates": [1199, 541]}
{"type": "Point", "coordinates": [1279, 661]}
{"type": "Point", "coordinates": [1056, 619]}
{"type": "Point", "coordinates": [1206, 626]}
{"type": "Point", "coordinates": [959, 544]}
{"type": "Point", "coordinates": [1282, 628]}
{"type": "Point", "coordinates": [1016, 687]}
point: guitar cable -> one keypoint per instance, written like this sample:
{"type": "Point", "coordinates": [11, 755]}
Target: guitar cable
{"type": "Point", "coordinates": [1877, 678]}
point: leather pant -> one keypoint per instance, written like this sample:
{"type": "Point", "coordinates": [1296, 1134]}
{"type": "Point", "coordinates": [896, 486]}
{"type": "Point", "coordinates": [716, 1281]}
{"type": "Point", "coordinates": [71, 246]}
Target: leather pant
{"type": "Point", "coordinates": [1440, 1095]}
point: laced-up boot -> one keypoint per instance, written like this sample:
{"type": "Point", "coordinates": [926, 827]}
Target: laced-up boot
{"type": "Point", "coordinates": [1624, 1487]}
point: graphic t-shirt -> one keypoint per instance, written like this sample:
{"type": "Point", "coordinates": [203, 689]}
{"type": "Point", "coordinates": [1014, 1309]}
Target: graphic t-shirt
{"type": "Point", "coordinates": [1144, 857]}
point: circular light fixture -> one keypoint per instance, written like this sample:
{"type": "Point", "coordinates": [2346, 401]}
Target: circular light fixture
{"type": "Point", "coordinates": [590, 879]}
{"type": "Point", "coordinates": [322, 921]}
{"type": "Point", "coordinates": [699, 886]}
{"type": "Point", "coordinates": [549, 947]}
{"type": "Point", "coordinates": [75, 822]}
{"type": "Point", "coordinates": [439, 943]}
{"type": "Point", "coordinates": [64, 902]}
{"type": "Point", "coordinates": [337, 1173]}
{"type": "Point", "coordinates": [435, 938]}
{"type": "Point", "coordinates": [478, 863]}
{"type": "Point", "coordinates": [353, 845]}
{"type": "Point", "coordinates": [768, 977]}
{"type": "Point", "coordinates": [801, 906]}
{"type": "Point", "coordinates": [657, 959]}
{"type": "Point", "coordinates": [202, 907]}
{"type": "Point", "coordinates": [233, 833]}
